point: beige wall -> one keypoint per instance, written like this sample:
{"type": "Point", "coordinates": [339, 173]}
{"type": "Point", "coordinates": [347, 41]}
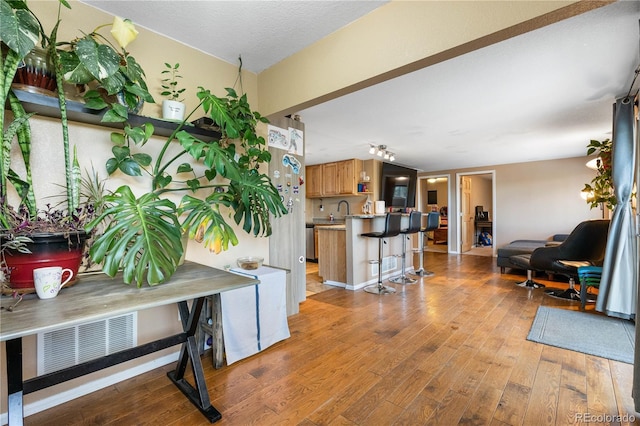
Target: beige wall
{"type": "Point", "coordinates": [440, 186]}
{"type": "Point", "coordinates": [482, 193]}
{"type": "Point", "coordinates": [533, 200]}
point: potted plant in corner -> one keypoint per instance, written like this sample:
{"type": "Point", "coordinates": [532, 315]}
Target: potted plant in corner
{"type": "Point", "coordinates": [600, 189]}
{"type": "Point", "coordinates": [173, 108]}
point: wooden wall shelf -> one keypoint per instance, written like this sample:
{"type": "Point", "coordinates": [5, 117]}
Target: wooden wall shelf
{"type": "Point", "coordinates": [47, 106]}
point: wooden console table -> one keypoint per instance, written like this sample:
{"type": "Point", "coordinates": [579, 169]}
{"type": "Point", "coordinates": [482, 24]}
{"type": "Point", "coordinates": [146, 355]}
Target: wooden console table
{"type": "Point", "coordinates": [98, 297]}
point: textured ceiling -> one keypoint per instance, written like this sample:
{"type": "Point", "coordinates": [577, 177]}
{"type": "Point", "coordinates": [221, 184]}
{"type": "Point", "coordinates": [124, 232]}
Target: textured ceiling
{"type": "Point", "coordinates": [263, 32]}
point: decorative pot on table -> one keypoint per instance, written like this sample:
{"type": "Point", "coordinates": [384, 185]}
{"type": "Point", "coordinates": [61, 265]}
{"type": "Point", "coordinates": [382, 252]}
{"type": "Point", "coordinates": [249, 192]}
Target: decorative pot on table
{"type": "Point", "coordinates": [47, 249]}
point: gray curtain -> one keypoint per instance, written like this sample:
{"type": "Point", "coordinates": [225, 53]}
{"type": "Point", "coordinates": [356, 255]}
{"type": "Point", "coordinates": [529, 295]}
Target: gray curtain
{"type": "Point", "coordinates": [618, 293]}
{"type": "Point", "coordinates": [636, 359]}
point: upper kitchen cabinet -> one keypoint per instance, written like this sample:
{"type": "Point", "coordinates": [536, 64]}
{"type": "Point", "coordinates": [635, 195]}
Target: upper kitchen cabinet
{"type": "Point", "coordinates": [314, 181]}
{"type": "Point", "coordinates": [347, 183]}
{"type": "Point", "coordinates": [330, 182]}
{"type": "Point", "coordinates": [333, 179]}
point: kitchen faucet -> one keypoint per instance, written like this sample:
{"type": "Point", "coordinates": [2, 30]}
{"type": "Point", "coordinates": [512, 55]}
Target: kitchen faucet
{"type": "Point", "coordinates": [347, 203]}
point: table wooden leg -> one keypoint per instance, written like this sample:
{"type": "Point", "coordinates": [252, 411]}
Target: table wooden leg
{"type": "Point", "coordinates": [199, 395]}
{"type": "Point", "coordinates": [217, 338]}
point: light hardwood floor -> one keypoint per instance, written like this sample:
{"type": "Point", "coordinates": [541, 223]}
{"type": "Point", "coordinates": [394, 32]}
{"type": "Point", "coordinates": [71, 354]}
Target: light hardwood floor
{"type": "Point", "coordinates": [448, 350]}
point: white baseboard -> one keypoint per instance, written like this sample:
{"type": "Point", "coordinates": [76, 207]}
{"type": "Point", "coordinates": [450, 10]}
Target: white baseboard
{"type": "Point", "coordinates": [87, 388]}
{"type": "Point", "coordinates": [374, 280]}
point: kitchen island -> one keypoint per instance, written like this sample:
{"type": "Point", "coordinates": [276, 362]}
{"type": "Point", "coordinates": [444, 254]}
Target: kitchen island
{"type": "Point", "coordinates": [344, 255]}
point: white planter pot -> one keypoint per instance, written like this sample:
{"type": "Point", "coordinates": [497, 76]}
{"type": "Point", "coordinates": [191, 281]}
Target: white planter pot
{"type": "Point", "coordinates": [173, 110]}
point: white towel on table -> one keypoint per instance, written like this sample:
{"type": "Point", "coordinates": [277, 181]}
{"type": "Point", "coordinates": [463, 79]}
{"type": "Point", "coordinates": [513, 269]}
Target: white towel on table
{"type": "Point", "coordinates": [254, 317]}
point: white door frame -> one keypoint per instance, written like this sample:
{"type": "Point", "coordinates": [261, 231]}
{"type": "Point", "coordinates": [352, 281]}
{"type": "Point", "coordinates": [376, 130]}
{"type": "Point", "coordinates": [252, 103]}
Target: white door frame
{"type": "Point", "coordinates": [494, 219]}
{"type": "Point", "coordinates": [449, 196]}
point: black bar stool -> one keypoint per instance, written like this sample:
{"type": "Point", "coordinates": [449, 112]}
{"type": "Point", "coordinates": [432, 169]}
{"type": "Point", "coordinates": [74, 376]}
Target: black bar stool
{"type": "Point", "coordinates": [391, 229]}
{"type": "Point", "coordinates": [433, 223]}
{"type": "Point", "coordinates": [415, 223]}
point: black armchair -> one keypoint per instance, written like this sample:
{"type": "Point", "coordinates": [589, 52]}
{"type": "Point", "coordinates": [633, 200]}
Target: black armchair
{"type": "Point", "coordinates": [585, 246]}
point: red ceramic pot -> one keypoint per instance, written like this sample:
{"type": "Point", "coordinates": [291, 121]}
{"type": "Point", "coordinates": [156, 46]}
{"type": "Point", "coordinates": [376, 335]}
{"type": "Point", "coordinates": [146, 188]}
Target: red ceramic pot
{"type": "Point", "coordinates": [56, 249]}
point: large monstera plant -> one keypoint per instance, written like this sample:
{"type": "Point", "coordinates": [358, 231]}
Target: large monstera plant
{"type": "Point", "coordinates": [143, 234]}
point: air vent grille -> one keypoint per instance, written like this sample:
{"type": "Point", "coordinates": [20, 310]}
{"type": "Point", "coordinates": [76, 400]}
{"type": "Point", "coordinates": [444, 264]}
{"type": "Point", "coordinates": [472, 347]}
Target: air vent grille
{"type": "Point", "coordinates": [389, 263]}
{"type": "Point", "coordinates": [74, 345]}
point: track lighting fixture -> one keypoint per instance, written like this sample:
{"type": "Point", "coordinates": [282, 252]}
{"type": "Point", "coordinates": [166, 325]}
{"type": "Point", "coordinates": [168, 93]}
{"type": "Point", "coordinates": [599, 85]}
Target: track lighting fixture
{"type": "Point", "coordinates": [381, 151]}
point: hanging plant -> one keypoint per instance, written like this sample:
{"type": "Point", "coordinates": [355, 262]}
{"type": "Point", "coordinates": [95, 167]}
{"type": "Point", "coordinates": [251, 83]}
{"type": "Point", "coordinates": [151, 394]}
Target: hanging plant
{"type": "Point", "coordinates": [600, 190]}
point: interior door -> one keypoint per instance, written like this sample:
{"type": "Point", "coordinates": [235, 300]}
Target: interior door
{"type": "Point", "coordinates": [466, 214]}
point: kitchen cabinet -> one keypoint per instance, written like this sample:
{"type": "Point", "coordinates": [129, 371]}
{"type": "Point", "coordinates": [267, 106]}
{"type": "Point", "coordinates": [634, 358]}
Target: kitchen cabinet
{"type": "Point", "coordinates": [333, 179]}
{"type": "Point", "coordinates": [332, 259]}
{"type": "Point", "coordinates": [330, 179]}
{"type": "Point", "coordinates": [347, 184]}
{"type": "Point", "coordinates": [313, 181]}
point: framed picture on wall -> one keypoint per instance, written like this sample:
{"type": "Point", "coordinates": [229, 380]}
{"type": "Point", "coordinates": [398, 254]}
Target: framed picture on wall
{"type": "Point", "coordinates": [432, 197]}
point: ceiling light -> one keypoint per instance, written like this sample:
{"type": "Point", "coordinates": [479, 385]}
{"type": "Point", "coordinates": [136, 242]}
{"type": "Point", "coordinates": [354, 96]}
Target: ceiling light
{"type": "Point", "coordinates": [382, 151]}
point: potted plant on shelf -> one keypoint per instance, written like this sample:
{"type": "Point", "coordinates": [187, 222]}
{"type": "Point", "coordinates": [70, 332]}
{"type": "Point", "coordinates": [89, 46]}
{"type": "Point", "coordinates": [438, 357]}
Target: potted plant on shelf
{"type": "Point", "coordinates": [173, 108]}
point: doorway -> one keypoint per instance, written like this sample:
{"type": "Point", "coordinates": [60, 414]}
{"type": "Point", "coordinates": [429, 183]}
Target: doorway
{"type": "Point", "coordinates": [476, 212]}
{"type": "Point", "coordinates": [434, 195]}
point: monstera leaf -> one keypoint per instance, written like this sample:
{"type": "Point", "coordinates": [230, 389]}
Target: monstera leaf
{"type": "Point", "coordinates": [142, 237]}
{"type": "Point", "coordinates": [254, 197]}
{"type": "Point", "coordinates": [205, 224]}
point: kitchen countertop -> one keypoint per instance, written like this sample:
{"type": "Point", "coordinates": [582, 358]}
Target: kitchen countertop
{"type": "Point", "coordinates": [336, 227]}
{"type": "Point", "coordinates": [326, 221]}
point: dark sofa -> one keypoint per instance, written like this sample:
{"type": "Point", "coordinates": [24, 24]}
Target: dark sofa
{"type": "Point", "coordinates": [523, 247]}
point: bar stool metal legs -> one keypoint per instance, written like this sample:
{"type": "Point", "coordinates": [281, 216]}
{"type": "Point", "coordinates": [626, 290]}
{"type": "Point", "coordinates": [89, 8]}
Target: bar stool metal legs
{"type": "Point", "coordinates": [415, 223]}
{"type": "Point", "coordinates": [403, 278]}
{"type": "Point", "coordinates": [391, 229]}
{"type": "Point", "coordinates": [433, 222]}
{"type": "Point", "coordinates": [421, 272]}
{"type": "Point", "coordinates": [379, 288]}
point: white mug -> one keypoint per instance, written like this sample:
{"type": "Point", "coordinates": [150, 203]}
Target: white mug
{"type": "Point", "coordinates": [48, 281]}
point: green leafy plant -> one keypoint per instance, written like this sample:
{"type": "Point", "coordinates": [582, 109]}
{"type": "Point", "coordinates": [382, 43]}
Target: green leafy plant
{"type": "Point", "coordinates": [142, 235]}
{"type": "Point", "coordinates": [600, 189]}
{"type": "Point", "coordinates": [109, 70]}
{"type": "Point", "coordinates": [170, 83]}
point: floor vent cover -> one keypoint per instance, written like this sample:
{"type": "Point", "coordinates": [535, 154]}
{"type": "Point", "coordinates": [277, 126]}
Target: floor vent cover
{"type": "Point", "coordinates": [74, 345]}
{"type": "Point", "coordinates": [389, 263]}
